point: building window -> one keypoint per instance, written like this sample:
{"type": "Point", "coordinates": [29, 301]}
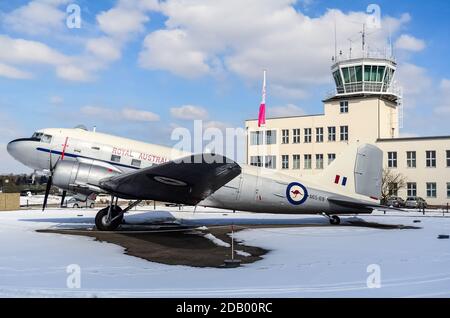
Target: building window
{"type": "Point", "coordinates": [256, 161]}
{"type": "Point", "coordinates": [331, 133]}
{"type": "Point", "coordinates": [392, 159]}
{"type": "Point", "coordinates": [136, 163]}
{"type": "Point", "coordinates": [448, 190]}
{"type": "Point", "coordinates": [343, 107]}
{"type": "Point", "coordinates": [411, 189]}
{"type": "Point", "coordinates": [319, 134]}
{"type": "Point", "coordinates": [411, 159]}
{"type": "Point", "coordinates": [271, 162]}
{"type": "Point", "coordinates": [319, 161]}
{"type": "Point", "coordinates": [115, 158]}
{"type": "Point", "coordinates": [296, 162]}
{"type": "Point", "coordinates": [271, 137]}
{"type": "Point", "coordinates": [431, 159]}
{"type": "Point", "coordinates": [296, 136]}
{"type": "Point", "coordinates": [431, 189]}
{"type": "Point", "coordinates": [285, 136]}
{"type": "Point", "coordinates": [344, 133]}
{"type": "Point", "coordinates": [256, 138]}
{"type": "Point", "coordinates": [393, 189]}
{"type": "Point", "coordinates": [331, 158]}
{"type": "Point", "coordinates": [284, 162]}
{"type": "Point", "coordinates": [448, 158]}
{"type": "Point", "coordinates": [308, 161]}
{"type": "Point", "coordinates": [308, 133]}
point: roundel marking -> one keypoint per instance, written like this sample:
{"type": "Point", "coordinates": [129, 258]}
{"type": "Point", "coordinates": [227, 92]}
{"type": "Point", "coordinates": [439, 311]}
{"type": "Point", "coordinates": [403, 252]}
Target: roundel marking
{"type": "Point", "coordinates": [296, 193]}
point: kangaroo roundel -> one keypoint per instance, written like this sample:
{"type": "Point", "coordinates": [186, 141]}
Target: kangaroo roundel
{"type": "Point", "coordinates": [296, 193]}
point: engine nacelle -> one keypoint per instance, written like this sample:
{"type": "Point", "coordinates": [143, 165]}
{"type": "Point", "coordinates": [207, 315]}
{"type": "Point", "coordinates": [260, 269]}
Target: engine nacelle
{"type": "Point", "coordinates": [80, 177]}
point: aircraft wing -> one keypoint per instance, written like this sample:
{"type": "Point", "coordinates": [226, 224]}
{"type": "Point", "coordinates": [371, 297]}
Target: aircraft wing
{"type": "Point", "coordinates": [188, 180]}
{"type": "Point", "coordinates": [352, 203]}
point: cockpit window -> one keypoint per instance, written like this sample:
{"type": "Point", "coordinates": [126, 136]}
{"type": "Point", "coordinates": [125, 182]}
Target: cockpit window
{"type": "Point", "coordinates": [46, 139]}
{"type": "Point", "coordinates": [42, 137]}
{"type": "Point", "coordinates": [37, 135]}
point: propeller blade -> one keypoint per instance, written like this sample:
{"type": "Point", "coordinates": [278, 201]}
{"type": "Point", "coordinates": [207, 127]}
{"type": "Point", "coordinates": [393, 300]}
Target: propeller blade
{"type": "Point", "coordinates": [63, 198]}
{"type": "Point", "coordinates": [47, 192]}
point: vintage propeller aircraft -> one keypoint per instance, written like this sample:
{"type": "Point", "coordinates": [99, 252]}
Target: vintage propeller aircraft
{"type": "Point", "coordinates": [87, 162]}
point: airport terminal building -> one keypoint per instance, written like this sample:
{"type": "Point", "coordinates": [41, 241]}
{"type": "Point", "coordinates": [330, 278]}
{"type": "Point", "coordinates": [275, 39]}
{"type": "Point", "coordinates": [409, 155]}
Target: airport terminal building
{"type": "Point", "coordinates": [365, 107]}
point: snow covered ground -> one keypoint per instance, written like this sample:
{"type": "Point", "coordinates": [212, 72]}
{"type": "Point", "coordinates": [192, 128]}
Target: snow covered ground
{"type": "Point", "coordinates": [39, 200]}
{"type": "Point", "coordinates": [320, 261]}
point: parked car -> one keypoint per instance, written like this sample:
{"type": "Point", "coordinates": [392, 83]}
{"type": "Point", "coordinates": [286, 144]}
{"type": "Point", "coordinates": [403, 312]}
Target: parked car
{"type": "Point", "coordinates": [395, 202]}
{"type": "Point", "coordinates": [416, 203]}
{"type": "Point", "coordinates": [73, 203]}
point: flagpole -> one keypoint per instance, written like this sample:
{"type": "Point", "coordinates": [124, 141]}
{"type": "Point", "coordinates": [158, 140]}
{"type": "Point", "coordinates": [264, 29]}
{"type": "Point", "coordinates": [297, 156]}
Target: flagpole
{"type": "Point", "coordinates": [262, 107]}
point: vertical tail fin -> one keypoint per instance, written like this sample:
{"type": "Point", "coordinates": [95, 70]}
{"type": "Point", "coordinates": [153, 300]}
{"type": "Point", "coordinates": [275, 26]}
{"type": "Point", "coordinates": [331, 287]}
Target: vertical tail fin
{"type": "Point", "coordinates": [358, 170]}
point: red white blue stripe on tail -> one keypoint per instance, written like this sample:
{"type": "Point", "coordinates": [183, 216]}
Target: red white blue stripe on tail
{"type": "Point", "coordinates": [340, 180]}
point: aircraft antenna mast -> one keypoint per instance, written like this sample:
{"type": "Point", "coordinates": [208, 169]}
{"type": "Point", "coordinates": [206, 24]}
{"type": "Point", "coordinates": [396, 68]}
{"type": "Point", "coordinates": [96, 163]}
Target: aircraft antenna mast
{"type": "Point", "coordinates": [364, 38]}
{"type": "Point", "coordinates": [335, 37]}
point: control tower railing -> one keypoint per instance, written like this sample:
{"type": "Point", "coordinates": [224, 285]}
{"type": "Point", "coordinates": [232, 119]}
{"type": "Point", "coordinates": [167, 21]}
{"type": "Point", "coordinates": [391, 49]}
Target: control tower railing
{"type": "Point", "coordinates": [366, 88]}
{"type": "Point", "coordinates": [372, 54]}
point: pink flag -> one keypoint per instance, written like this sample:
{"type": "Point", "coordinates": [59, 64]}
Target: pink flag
{"type": "Point", "coordinates": [262, 107]}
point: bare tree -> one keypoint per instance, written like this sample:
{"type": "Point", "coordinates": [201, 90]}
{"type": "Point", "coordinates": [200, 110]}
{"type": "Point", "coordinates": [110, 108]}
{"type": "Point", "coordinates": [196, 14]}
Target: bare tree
{"type": "Point", "coordinates": [390, 180]}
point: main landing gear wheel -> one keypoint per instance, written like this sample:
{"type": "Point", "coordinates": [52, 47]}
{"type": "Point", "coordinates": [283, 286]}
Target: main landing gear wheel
{"type": "Point", "coordinates": [101, 219]}
{"type": "Point", "coordinates": [335, 220]}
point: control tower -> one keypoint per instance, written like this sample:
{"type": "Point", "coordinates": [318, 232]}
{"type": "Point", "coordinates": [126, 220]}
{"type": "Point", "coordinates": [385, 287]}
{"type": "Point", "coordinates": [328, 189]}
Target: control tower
{"type": "Point", "coordinates": [369, 77]}
{"type": "Point", "coordinates": [365, 76]}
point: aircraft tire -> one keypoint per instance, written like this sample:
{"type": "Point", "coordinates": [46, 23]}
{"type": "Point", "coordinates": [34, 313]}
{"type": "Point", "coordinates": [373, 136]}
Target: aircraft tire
{"type": "Point", "coordinates": [100, 219]}
{"type": "Point", "coordinates": [335, 220]}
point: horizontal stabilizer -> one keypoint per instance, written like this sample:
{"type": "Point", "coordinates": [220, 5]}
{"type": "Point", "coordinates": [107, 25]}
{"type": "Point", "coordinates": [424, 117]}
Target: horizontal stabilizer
{"type": "Point", "coordinates": [357, 204]}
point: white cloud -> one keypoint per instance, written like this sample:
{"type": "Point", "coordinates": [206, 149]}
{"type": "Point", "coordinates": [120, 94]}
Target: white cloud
{"type": "Point", "coordinates": [73, 72]}
{"type": "Point", "coordinates": [171, 50]}
{"type": "Point", "coordinates": [414, 79]}
{"type": "Point", "coordinates": [189, 112]}
{"type": "Point", "coordinates": [119, 25]}
{"type": "Point", "coordinates": [409, 43]}
{"type": "Point", "coordinates": [104, 48]}
{"type": "Point", "coordinates": [13, 73]}
{"type": "Point", "coordinates": [79, 68]}
{"type": "Point", "coordinates": [41, 17]}
{"type": "Point", "coordinates": [139, 115]}
{"type": "Point", "coordinates": [127, 113]}
{"type": "Point", "coordinates": [121, 21]}
{"type": "Point", "coordinates": [202, 37]}
{"type": "Point", "coordinates": [285, 111]}
{"type": "Point", "coordinates": [37, 17]}
{"type": "Point", "coordinates": [20, 51]}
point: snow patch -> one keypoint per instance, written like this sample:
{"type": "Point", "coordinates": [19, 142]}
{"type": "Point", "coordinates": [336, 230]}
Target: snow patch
{"type": "Point", "coordinates": [243, 253]}
{"type": "Point", "coordinates": [216, 240]}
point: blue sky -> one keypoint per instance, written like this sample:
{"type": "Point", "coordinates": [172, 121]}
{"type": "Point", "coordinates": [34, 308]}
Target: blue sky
{"type": "Point", "coordinates": [139, 68]}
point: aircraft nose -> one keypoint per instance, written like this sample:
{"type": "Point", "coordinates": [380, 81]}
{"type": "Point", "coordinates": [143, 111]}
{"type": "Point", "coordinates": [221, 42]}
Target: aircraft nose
{"type": "Point", "coordinates": [19, 150]}
{"type": "Point", "coordinates": [13, 148]}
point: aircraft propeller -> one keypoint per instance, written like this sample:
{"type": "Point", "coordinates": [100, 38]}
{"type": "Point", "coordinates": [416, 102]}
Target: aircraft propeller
{"type": "Point", "coordinates": [50, 179]}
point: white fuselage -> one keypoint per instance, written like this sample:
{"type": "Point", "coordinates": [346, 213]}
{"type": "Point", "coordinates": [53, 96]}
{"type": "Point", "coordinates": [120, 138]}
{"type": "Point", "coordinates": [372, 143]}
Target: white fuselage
{"type": "Point", "coordinates": [255, 189]}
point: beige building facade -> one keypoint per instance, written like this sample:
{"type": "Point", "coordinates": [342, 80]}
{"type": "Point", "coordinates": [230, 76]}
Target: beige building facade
{"type": "Point", "coordinates": [364, 108]}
